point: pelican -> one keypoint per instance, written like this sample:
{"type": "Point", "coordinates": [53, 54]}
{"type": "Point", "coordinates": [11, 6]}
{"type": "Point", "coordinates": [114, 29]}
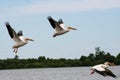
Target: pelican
{"type": "Point", "coordinates": [103, 70]}
{"type": "Point", "coordinates": [18, 38]}
{"type": "Point", "coordinates": [58, 26]}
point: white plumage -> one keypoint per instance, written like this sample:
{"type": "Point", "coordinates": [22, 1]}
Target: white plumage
{"type": "Point", "coordinates": [19, 39]}
{"type": "Point", "coordinates": [58, 26]}
{"type": "Point", "coordinates": [103, 70]}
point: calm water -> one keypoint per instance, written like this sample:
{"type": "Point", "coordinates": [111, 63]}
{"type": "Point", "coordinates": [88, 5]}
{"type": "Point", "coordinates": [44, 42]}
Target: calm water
{"type": "Point", "coordinates": [71, 73]}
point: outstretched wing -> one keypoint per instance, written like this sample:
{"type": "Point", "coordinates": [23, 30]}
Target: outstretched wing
{"type": "Point", "coordinates": [20, 33]}
{"type": "Point", "coordinates": [110, 73]}
{"type": "Point", "coordinates": [101, 72]}
{"type": "Point", "coordinates": [60, 21]}
{"type": "Point", "coordinates": [52, 21]}
{"type": "Point", "coordinates": [54, 24]}
{"type": "Point", "coordinates": [12, 33]}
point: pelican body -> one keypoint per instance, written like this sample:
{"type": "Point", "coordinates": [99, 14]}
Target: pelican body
{"type": "Point", "coordinates": [18, 38]}
{"type": "Point", "coordinates": [103, 70]}
{"type": "Point", "coordinates": [58, 26]}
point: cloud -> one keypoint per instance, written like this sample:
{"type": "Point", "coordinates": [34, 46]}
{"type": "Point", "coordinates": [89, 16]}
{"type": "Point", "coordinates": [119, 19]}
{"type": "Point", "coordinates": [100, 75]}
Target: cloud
{"type": "Point", "coordinates": [54, 6]}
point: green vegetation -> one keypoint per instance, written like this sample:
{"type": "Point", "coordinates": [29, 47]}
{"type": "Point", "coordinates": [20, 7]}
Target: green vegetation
{"type": "Point", "coordinates": [43, 62]}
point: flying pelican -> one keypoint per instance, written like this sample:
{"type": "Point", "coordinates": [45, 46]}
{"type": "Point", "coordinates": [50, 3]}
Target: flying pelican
{"type": "Point", "coordinates": [19, 39]}
{"type": "Point", "coordinates": [102, 69]}
{"type": "Point", "coordinates": [59, 26]}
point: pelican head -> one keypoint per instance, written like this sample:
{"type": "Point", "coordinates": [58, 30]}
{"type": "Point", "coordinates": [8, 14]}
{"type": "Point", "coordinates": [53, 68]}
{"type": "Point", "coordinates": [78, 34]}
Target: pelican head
{"type": "Point", "coordinates": [109, 64]}
{"type": "Point", "coordinates": [71, 28]}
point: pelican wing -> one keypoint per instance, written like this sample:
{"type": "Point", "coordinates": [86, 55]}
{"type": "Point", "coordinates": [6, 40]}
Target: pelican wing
{"type": "Point", "coordinates": [104, 66]}
{"type": "Point", "coordinates": [54, 24]}
{"type": "Point", "coordinates": [61, 23]}
{"type": "Point", "coordinates": [58, 27]}
{"type": "Point", "coordinates": [52, 21]}
{"type": "Point", "coordinates": [110, 73]}
{"type": "Point", "coordinates": [20, 33]}
{"type": "Point", "coordinates": [101, 72]}
{"type": "Point", "coordinates": [99, 67]}
{"type": "Point", "coordinates": [12, 33]}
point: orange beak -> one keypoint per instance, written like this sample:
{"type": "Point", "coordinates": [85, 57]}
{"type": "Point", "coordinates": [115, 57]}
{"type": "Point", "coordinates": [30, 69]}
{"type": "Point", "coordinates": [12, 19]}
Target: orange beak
{"type": "Point", "coordinates": [29, 39]}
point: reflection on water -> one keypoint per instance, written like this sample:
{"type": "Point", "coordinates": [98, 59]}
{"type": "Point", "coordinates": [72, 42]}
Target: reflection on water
{"type": "Point", "coordinates": [71, 73]}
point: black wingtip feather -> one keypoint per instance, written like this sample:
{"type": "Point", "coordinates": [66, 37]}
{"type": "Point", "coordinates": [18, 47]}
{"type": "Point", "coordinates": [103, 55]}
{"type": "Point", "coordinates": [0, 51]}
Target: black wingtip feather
{"type": "Point", "coordinates": [9, 29]}
{"type": "Point", "coordinates": [49, 17]}
{"type": "Point", "coordinates": [52, 21]}
{"type": "Point", "coordinates": [110, 73]}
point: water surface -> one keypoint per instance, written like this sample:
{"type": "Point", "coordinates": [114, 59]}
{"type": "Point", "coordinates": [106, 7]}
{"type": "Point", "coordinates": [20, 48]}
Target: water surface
{"type": "Point", "coordinates": [68, 73]}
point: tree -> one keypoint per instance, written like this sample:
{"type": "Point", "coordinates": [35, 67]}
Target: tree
{"type": "Point", "coordinates": [82, 58]}
{"type": "Point", "coordinates": [16, 57]}
{"type": "Point", "coordinates": [109, 57]}
{"type": "Point", "coordinates": [41, 58]}
{"type": "Point", "coordinates": [97, 50]}
{"type": "Point", "coordinates": [99, 54]}
{"type": "Point", "coordinates": [91, 57]}
{"type": "Point", "coordinates": [117, 59]}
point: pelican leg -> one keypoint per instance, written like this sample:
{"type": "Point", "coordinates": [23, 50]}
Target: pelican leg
{"type": "Point", "coordinates": [15, 50]}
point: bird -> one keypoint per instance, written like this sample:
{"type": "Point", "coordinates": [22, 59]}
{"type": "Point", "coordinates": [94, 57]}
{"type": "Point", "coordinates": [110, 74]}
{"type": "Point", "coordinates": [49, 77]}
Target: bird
{"type": "Point", "coordinates": [59, 26]}
{"type": "Point", "coordinates": [18, 38]}
{"type": "Point", "coordinates": [103, 70]}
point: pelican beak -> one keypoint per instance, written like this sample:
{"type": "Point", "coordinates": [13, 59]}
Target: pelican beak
{"type": "Point", "coordinates": [72, 28]}
{"type": "Point", "coordinates": [29, 39]}
{"type": "Point", "coordinates": [111, 64]}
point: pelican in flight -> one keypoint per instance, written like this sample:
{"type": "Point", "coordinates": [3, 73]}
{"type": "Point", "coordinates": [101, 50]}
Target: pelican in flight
{"type": "Point", "coordinates": [19, 39]}
{"type": "Point", "coordinates": [59, 26]}
{"type": "Point", "coordinates": [103, 70]}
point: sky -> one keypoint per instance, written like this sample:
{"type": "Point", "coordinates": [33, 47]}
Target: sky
{"type": "Point", "coordinates": [97, 23]}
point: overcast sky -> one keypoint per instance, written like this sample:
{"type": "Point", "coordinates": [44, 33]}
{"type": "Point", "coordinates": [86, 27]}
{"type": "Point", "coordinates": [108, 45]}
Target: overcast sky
{"type": "Point", "coordinates": [97, 21]}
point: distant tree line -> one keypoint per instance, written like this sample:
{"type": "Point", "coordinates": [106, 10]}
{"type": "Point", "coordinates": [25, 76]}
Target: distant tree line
{"type": "Point", "coordinates": [42, 62]}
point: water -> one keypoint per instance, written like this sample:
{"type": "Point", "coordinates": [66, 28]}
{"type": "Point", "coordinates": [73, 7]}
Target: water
{"type": "Point", "coordinates": [70, 73]}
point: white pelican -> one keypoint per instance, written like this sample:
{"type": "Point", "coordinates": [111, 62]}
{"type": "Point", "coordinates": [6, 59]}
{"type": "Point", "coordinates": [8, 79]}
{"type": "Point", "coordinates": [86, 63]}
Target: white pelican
{"type": "Point", "coordinates": [19, 39]}
{"type": "Point", "coordinates": [58, 26]}
{"type": "Point", "coordinates": [102, 69]}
